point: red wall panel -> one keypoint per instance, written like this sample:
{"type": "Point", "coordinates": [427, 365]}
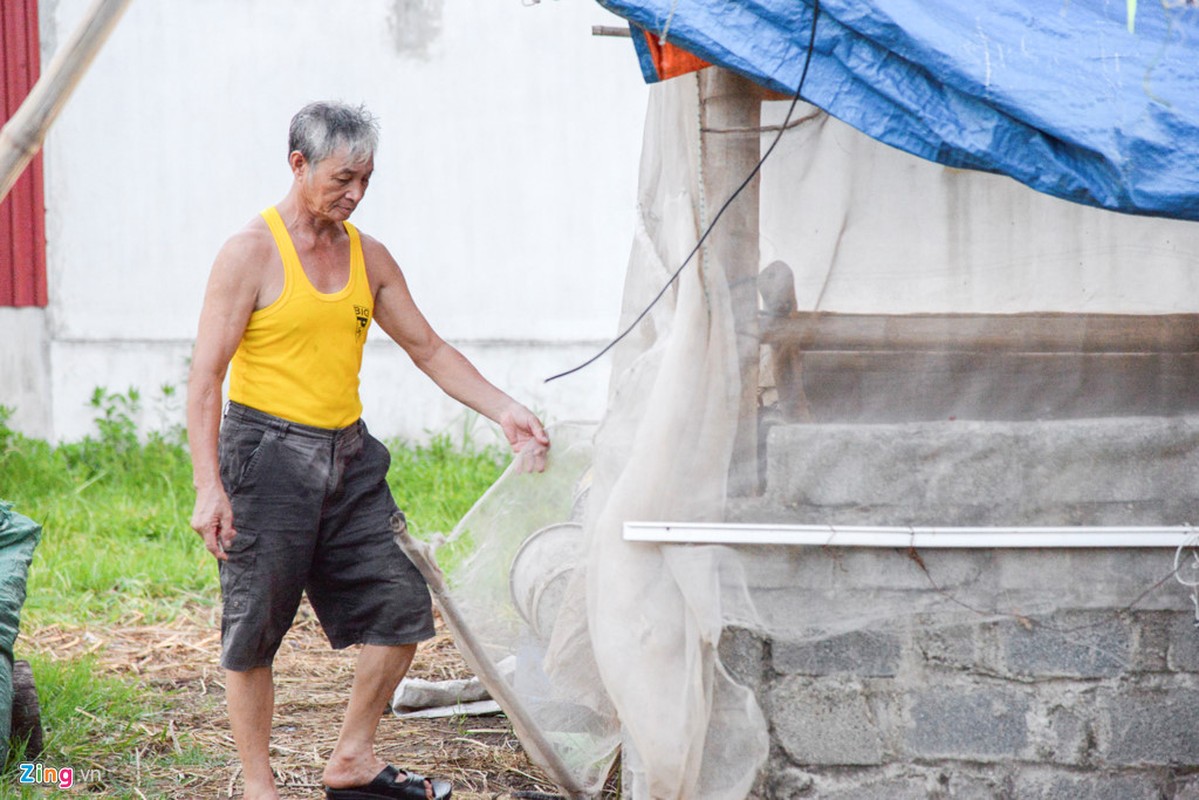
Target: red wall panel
{"type": "Point", "coordinates": [22, 214]}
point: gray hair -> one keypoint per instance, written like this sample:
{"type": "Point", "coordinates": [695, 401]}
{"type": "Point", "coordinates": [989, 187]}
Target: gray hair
{"type": "Point", "coordinates": [318, 129]}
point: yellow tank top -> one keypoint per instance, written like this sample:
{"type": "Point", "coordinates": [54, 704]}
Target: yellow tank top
{"type": "Point", "coordinates": [300, 356]}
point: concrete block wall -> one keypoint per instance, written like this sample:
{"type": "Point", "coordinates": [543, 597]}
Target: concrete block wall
{"type": "Point", "coordinates": [992, 673]}
{"type": "Point", "coordinates": [1096, 704]}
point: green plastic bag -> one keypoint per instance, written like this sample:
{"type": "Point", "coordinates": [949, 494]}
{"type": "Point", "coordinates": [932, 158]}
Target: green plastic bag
{"type": "Point", "coordinates": [19, 536]}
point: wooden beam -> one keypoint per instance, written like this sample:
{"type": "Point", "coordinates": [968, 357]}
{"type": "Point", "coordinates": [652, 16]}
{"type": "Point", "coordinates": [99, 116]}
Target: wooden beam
{"type": "Point", "coordinates": [890, 386]}
{"type": "Point", "coordinates": [608, 30]}
{"type": "Point", "coordinates": [729, 102]}
{"type": "Point", "coordinates": [967, 333]}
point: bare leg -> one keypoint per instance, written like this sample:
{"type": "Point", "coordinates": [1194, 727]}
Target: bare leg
{"type": "Point", "coordinates": [379, 671]}
{"type": "Point", "coordinates": [251, 699]}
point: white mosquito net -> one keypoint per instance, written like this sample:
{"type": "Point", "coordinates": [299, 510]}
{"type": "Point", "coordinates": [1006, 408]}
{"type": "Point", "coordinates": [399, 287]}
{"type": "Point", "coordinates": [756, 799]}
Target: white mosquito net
{"type": "Point", "coordinates": [910, 297]}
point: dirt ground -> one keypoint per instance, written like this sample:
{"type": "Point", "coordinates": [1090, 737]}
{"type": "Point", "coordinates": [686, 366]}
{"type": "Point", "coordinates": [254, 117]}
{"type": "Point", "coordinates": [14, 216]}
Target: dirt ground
{"type": "Point", "coordinates": [480, 755]}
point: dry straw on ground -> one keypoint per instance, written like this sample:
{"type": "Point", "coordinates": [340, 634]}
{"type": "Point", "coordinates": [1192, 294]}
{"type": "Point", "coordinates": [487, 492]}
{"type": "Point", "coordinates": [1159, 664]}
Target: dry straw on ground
{"type": "Point", "coordinates": [178, 661]}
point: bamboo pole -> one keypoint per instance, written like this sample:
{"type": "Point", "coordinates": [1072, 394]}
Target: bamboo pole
{"type": "Point", "coordinates": [22, 136]}
{"type": "Point", "coordinates": [531, 736]}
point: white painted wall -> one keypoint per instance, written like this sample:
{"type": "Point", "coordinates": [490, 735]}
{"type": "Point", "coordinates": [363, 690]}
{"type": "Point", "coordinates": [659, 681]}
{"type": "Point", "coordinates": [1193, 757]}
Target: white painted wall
{"type": "Point", "coordinates": [504, 184]}
{"type": "Point", "coordinates": [24, 379]}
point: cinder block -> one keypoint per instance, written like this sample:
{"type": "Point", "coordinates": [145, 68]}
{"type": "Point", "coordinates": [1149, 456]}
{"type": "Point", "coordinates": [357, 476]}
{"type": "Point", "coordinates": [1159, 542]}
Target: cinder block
{"type": "Point", "coordinates": [969, 723]}
{"type": "Point", "coordinates": [789, 783]}
{"type": "Point", "coordinates": [958, 786]}
{"type": "Point", "coordinates": [744, 655]}
{"type": "Point", "coordinates": [1057, 785]}
{"type": "Point", "coordinates": [1183, 649]}
{"type": "Point", "coordinates": [908, 783]}
{"type": "Point", "coordinates": [816, 723]}
{"type": "Point", "coordinates": [1068, 735]}
{"type": "Point", "coordinates": [1153, 727]}
{"type": "Point", "coordinates": [1151, 641]}
{"type": "Point", "coordinates": [950, 646]}
{"type": "Point", "coordinates": [862, 653]}
{"type": "Point", "coordinates": [888, 789]}
{"type": "Point", "coordinates": [1186, 789]}
{"type": "Point", "coordinates": [1081, 645]}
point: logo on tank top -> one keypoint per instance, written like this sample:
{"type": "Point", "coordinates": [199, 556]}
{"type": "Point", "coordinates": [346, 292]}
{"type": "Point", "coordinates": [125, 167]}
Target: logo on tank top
{"type": "Point", "coordinates": [363, 315]}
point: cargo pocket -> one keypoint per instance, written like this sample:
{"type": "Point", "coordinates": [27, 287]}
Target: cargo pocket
{"type": "Point", "coordinates": [237, 576]}
{"type": "Point", "coordinates": [241, 449]}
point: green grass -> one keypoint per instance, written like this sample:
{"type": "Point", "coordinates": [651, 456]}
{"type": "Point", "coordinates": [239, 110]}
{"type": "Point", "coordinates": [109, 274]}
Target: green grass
{"type": "Point", "coordinates": [436, 483]}
{"type": "Point", "coordinates": [115, 511]}
{"type": "Point", "coordinates": [116, 542]}
{"type": "Point", "coordinates": [96, 726]}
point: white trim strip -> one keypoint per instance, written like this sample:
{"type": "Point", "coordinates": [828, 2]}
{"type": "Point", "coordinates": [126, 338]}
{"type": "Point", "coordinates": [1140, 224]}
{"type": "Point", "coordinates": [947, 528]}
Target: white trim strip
{"type": "Point", "coordinates": [877, 536]}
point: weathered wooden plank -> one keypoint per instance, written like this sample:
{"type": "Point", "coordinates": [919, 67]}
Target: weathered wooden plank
{"type": "Point", "coordinates": [891, 386]}
{"type": "Point", "coordinates": [731, 102]}
{"type": "Point", "coordinates": [1016, 333]}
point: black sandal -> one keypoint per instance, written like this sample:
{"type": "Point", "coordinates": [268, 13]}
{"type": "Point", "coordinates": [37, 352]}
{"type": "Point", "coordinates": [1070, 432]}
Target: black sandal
{"type": "Point", "coordinates": [388, 785]}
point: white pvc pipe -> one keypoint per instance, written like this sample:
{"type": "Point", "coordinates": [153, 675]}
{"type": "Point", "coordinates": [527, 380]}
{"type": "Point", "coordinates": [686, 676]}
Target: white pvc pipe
{"type": "Point", "coordinates": [879, 536]}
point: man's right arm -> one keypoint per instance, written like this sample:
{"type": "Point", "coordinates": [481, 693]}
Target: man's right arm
{"type": "Point", "coordinates": [229, 301]}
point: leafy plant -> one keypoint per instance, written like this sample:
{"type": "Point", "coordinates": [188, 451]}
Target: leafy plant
{"type": "Point", "coordinates": [6, 433]}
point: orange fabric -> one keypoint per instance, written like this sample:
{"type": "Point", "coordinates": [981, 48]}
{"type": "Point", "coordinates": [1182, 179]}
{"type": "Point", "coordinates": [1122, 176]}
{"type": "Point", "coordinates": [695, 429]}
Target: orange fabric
{"type": "Point", "coordinates": [672, 61]}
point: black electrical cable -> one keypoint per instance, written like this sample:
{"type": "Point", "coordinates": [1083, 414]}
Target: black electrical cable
{"type": "Point", "coordinates": [757, 168]}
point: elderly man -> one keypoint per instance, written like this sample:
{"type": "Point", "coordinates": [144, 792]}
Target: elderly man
{"type": "Point", "coordinates": [291, 493]}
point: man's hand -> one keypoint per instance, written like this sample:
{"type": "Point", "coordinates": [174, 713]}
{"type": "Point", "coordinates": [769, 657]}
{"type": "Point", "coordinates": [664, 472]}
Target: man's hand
{"type": "Point", "coordinates": [213, 520]}
{"type": "Point", "coordinates": [527, 436]}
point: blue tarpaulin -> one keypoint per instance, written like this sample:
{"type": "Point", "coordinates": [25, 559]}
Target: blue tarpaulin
{"type": "Point", "coordinates": [1081, 99]}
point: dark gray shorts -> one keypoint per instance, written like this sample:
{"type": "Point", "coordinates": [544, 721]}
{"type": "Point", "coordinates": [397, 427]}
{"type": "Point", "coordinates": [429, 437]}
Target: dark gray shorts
{"type": "Point", "coordinates": [312, 511]}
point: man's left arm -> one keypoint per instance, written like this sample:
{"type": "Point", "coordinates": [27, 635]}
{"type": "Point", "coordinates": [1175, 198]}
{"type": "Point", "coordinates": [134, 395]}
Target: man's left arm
{"type": "Point", "coordinates": [398, 315]}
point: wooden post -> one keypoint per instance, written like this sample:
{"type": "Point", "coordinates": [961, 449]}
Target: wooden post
{"type": "Point", "coordinates": [22, 136]}
{"type": "Point", "coordinates": [730, 115]}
